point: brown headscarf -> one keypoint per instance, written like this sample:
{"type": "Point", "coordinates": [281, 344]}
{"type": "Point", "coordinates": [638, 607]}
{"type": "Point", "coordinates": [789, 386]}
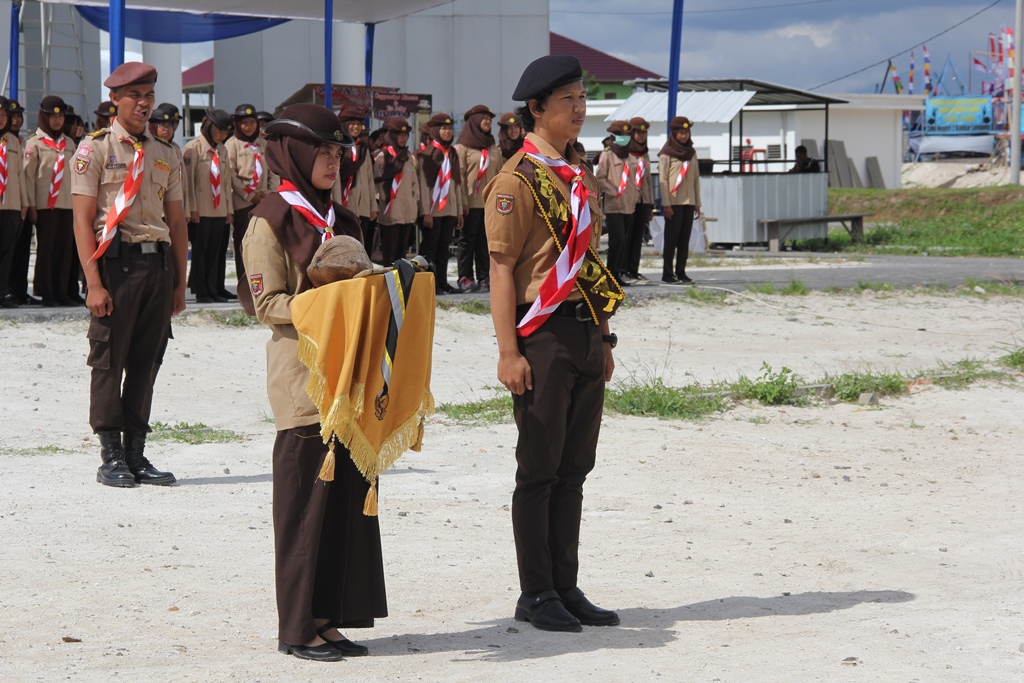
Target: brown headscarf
{"type": "Point", "coordinates": [620, 128]}
{"type": "Point", "coordinates": [431, 157]}
{"type": "Point", "coordinates": [291, 155]}
{"type": "Point", "coordinates": [674, 148]}
{"type": "Point", "coordinates": [349, 166]}
{"type": "Point", "coordinates": [50, 106]}
{"type": "Point", "coordinates": [508, 145]}
{"type": "Point", "coordinates": [393, 164]}
{"type": "Point", "coordinates": [640, 125]}
{"type": "Point", "coordinates": [472, 135]}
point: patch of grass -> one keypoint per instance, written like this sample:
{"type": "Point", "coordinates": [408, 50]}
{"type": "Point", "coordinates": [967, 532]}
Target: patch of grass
{"type": "Point", "coordinates": [702, 295]}
{"type": "Point", "coordinates": [795, 288]}
{"type": "Point", "coordinates": [471, 306]}
{"type": "Point", "coordinates": [764, 288]}
{"type": "Point", "coordinates": [962, 374]}
{"type": "Point", "coordinates": [996, 287]}
{"type": "Point", "coordinates": [850, 385]}
{"type": "Point", "coordinates": [863, 285]}
{"type": "Point", "coordinates": [192, 433]}
{"type": "Point", "coordinates": [234, 318]}
{"type": "Point", "coordinates": [496, 410]}
{"type": "Point", "coordinates": [35, 451]}
{"type": "Point", "coordinates": [773, 388]}
{"type": "Point", "coordinates": [651, 398]}
{"type": "Point", "coordinates": [1013, 359]}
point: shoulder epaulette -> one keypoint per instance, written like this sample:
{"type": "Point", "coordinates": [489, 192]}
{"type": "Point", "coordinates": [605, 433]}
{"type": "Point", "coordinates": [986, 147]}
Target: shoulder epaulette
{"type": "Point", "coordinates": [99, 133]}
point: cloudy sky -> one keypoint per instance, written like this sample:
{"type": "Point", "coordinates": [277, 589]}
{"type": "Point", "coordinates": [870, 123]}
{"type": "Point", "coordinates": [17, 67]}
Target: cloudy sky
{"type": "Point", "coordinates": [799, 43]}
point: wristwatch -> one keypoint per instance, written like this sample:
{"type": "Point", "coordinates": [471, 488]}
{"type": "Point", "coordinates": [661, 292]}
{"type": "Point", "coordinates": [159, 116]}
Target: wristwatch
{"type": "Point", "coordinates": [610, 339]}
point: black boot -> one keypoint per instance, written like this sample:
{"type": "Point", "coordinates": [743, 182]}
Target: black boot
{"type": "Point", "coordinates": [145, 473]}
{"type": "Point", "coordinates": [113, 471]}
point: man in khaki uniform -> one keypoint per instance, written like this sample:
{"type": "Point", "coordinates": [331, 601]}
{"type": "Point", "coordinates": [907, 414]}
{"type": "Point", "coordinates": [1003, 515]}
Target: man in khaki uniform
{"type": "Point", "coordinates": [554, 347]}
{"type": "Point", "coordinates": [480, 159]}
{"type": "Point", "coordinates": [133, 253]}
{"type": "Point", "coordinates": [13, 205]}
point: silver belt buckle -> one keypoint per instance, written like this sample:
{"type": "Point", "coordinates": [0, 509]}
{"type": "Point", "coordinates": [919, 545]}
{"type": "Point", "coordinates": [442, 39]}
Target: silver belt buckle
{"type": "Point", "coordinates": [148, 247]}
{"type": "Point", "coordinates": [581, 310]}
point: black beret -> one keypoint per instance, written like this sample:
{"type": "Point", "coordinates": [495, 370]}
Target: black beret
{"type": "Point", "coordinates": [165, 113]}
{"type": "Point", "coordinates": [106, 109]}
{"type": "Point", "coordinates": [478, 109]}
{"type": "Point", "coordinates": [52, 104]}
{"type": "Point", "coordinates": [311, 122]}
{"type": "Point", "coordinates": [244, 110]}
{"type": "Point", "coordinates": [14, 107]}
{"type": "Point", "coordinates": [547, 73]}
{"type": "Point", "coordinates": [264, 116]}
{"type": "Point", "coordinates": [130, 73]}
{"type": "Point", "coordinates": [221, 119]}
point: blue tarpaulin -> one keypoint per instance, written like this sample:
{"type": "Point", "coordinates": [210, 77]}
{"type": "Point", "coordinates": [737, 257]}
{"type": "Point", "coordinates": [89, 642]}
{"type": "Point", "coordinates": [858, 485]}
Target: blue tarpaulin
{"type": "Point", "coordinates": [178, 27]}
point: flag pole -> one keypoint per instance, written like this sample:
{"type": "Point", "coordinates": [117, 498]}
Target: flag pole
{"type": "Point", "coordinates": [1018, 29]}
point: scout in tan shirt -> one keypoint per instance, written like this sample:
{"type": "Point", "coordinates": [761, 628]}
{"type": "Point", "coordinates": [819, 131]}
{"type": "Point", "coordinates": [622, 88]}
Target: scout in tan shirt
{"type": "Point", "coordinates": [480, 158]}
{"type": "Point", "coordinates": [355, 189]}
{"type": "Point", "coordinates": [620, 197]}
{"type": "Point", "coordinates": [441, 198]}
{"type": "Point", "coordinates": [209, 174]}
{"type": "Point", "coordinates": [247, 158]}
{"type": "Point", "coordinates": [640, 175]}
{"type": "Point", "coordinates": [48, 155]}
{"type": "Point", "coordinates": [134, 263]}
{"type": "Point", "coordinates": [556, 371]}
{"type": "Point", "coordinates": [397, 178]}
{"type": "Point", "coordinates": [12, 204]}
{"type": "Point", "coordinates": [680, 199]}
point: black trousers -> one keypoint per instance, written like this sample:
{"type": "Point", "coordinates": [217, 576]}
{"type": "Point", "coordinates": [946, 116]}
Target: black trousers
{"type": "Point", "coordinates": [17, 281]}
{"type": "Point", "coordinates": [369, 234]}
{"type": "Point", "coordinates": [10, 231]}
{"type": "Point", "coordinates": [559, 422]}
{"type": "Point", "coordinates": [222, 257]}
{"type": "Point", "coordinates": [327, 553]}
{"type": "Point", "coordinates": [55, 229]}
{"type": "Point", "coordinates": [207, 244]}
{"type": "Point", "coordinates": [617, 225]}
{"type": "Point", "coordinates": [435, 242]}
{"type": "Point", "coordinates": [127, 346]}
{"type": "Point", "coordinates": [239, 224]}
{"type": "Point", "coordinates": [473, 248]}
{"type": "Point", "coordinates": [635, 238]}
{"type": "Point", "coordinates": [393, 241]}
{"type": "Point", "coordinates": [677, 241]}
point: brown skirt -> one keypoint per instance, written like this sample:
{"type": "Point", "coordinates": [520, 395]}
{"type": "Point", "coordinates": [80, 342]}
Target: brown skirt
{"type": "Point", "coordinates": [328, 561]}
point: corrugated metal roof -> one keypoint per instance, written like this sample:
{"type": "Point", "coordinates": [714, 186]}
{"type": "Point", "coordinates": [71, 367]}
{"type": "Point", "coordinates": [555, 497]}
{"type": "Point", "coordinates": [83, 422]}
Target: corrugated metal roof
{"type": "Point", "coordinates": [765, 93]}
{"type": "Point", "coordinates": [699, 107]}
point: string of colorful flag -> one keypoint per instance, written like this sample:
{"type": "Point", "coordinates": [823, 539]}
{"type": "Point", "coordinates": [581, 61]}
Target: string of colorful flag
{"type": "Point", "coordinates": [1002, 59]}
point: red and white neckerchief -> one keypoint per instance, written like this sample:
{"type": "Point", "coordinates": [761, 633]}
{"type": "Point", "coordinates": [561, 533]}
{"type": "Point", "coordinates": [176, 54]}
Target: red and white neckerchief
{"type": "Point", "coordinates": [3, 171]}
{"type": "Point", "coordinates": [58, 168]}
{"type": "Point", "coordinates": [439, 197]}
{"type": "Point", "coordinates": [125, 197]}
{"type": "Point", "coordinates": [624, 180]}
{"type": "Point", "coordinates": [641, 170]}
{"type": "Point", "coordinates": [558, 283]}
{"type": "Point", "coordinates": [682, 174]}
{"type": "Point", "coordinates": [396, 182]}
{"type": "Point", "coordinates": [257, 170]}
{"type": "Point", "coordinates": [481, 170]}
{"type": "Point", "coordinates": [346, 191]}
{"type": "Point", "coordinates": [323, 224]}
{"type": "Point", "coordinates": [215, 177]}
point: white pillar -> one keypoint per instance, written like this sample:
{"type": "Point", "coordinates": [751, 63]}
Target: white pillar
{"type": "Point", "coordinates": [348, 60]}
{"type": "Point", "coordinates": [167, 61]}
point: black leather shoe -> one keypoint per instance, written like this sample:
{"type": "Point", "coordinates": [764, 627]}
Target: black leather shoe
{"type": "Point", "coordinates": [64, 300]}
{"type": "Point", "coordinates": [204, 299]}
{"type": "Point", "coordinates": [10, 301]}
{"type": "Point", "coordinates": [546, 612]}
{"type": "Point", "coordinates": [29, 300]}
{"type": "Point", "coordinates": [317, 653]}
{"type": "Point", "coordinates": [141, 468]}
{"type": "Point", "coordinates": [76, 299]}
{"type": "Point", "coordinates": [113, 471]}
{"type": "Point", "coordinates": [218, 299]}
{"type": "Point", "coordinates": [587, 612]}
{"type": "Point", "coordinates": [225, 294]}
{"type": "Point", "coordinates": [50, 302]}
{"type": "Point", "coordinates": [346, 646]}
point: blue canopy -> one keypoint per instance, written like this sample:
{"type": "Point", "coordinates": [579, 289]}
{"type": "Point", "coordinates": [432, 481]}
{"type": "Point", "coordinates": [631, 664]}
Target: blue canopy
{"type": "Point", "coordinates": [154, 26]}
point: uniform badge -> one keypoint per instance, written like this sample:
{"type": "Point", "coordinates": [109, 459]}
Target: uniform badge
{"type": "Point", "coordinates": [162, 165]}
{"type": "Point", "coordinates": [187, 157]}
{"type": "Point", "coordinates": [84, 151]}
{"type": "Point", "coordinates": [256, 283]}
{"type": "Point", "coordinates": [504, 204]}
{"type": "Point", "coordinates": [81, 164]}
{"type": "Point", "coordinates": [160, 193]}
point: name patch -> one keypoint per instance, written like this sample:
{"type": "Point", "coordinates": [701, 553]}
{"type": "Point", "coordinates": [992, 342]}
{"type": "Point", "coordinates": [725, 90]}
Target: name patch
{"type": "Point", "coordinates": [115, 166]}
{"type": "Point", "coordinates": [84, 151]}
{"type": "Point", "coordinates": [162, 165]}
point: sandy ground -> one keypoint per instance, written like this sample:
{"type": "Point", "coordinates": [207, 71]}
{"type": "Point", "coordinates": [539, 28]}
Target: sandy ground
{"type": "Point", "coordinates": [954, 173]}
{"type": "Point", "coordinates": [830, 542]}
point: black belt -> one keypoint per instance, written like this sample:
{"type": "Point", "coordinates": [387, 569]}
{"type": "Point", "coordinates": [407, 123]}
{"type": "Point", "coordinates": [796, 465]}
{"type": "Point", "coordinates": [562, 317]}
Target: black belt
{"type": "Point", "coordinates": [568, 309]}
{"type": "Point", "coordinates": [147, 247]}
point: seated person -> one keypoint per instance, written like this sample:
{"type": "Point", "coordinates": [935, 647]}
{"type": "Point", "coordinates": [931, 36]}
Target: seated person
{"type": "Point", "coordinates": [805, 164]}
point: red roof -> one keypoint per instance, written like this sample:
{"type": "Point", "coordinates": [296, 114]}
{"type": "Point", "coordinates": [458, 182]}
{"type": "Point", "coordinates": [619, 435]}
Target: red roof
{"type": "Point", "coordinates": [200, 74]}
{"type": "Point", "coordinates": [600, 65]}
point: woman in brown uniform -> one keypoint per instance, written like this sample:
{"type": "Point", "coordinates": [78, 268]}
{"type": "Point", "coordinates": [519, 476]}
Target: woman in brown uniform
{"type": "Point", "coordinates": [12, 204]}
{"type": "Point", "coordinates": [441, 197]}
{"type": "Point", "coordinates": [510, 135]}
{"type": "Point", "coordinates": [680, 199]}
{"type": "Point", "coordinates": [394, 170]}
{"type": "Point", "coordinates": [163, 124]}
{"type": "Point", "coordinates": [246, 158]}
{"type": "Point", "coordinates": [620, 198]}
{"type": "Point", "coordinates": [481, 160]}
{"type": "Point", "coordinates": [206, 170]}
{"type": "Point", "coordinates": [328, 565]}
{"type": "Point", "coordinates": [48, 160]}
{"type": "Point", "coordinates": [355, 189]}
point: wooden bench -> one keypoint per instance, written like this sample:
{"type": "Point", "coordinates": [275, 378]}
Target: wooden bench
{"type": "Point", "coordinates": [774, 226]}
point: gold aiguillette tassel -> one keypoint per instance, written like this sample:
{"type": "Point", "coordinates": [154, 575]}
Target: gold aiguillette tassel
{"type": "Point", "coordinates": [327, 470]}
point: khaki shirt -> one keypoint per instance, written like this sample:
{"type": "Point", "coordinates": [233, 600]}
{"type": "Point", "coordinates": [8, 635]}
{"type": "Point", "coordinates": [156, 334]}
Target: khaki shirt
{"type": "Point", "coordinates": [688, 193]}
{"type": "Point", "coordinates": [242, 160]}
{"type": "Point", "coordinates": [186, 191]}
{"type": "Point", "coordinates": [362, 201]}
{"type": "Point", "coordinates": [198, 156]}
{"type": "Point", "coordinates": [39, 161]}
{"type": "Point", "coordinates": [100, 167]}
{"type": "Point", "coordinates": [455, 200]}
{"type": "Point", "coordinates": [516, 228]}
{"type": "Point", "coordinates": [469, 160]}
{"type": "Point", "coordinates": [16, 195]}
{"type": "Point", "coordinates": [406, 207]}
{"type": "Point", "coordinates": [274, 279]}
{"type": "Point", "coordinates": [647, 185]}
{"type": "Point", "coordinates": [609, 175]}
